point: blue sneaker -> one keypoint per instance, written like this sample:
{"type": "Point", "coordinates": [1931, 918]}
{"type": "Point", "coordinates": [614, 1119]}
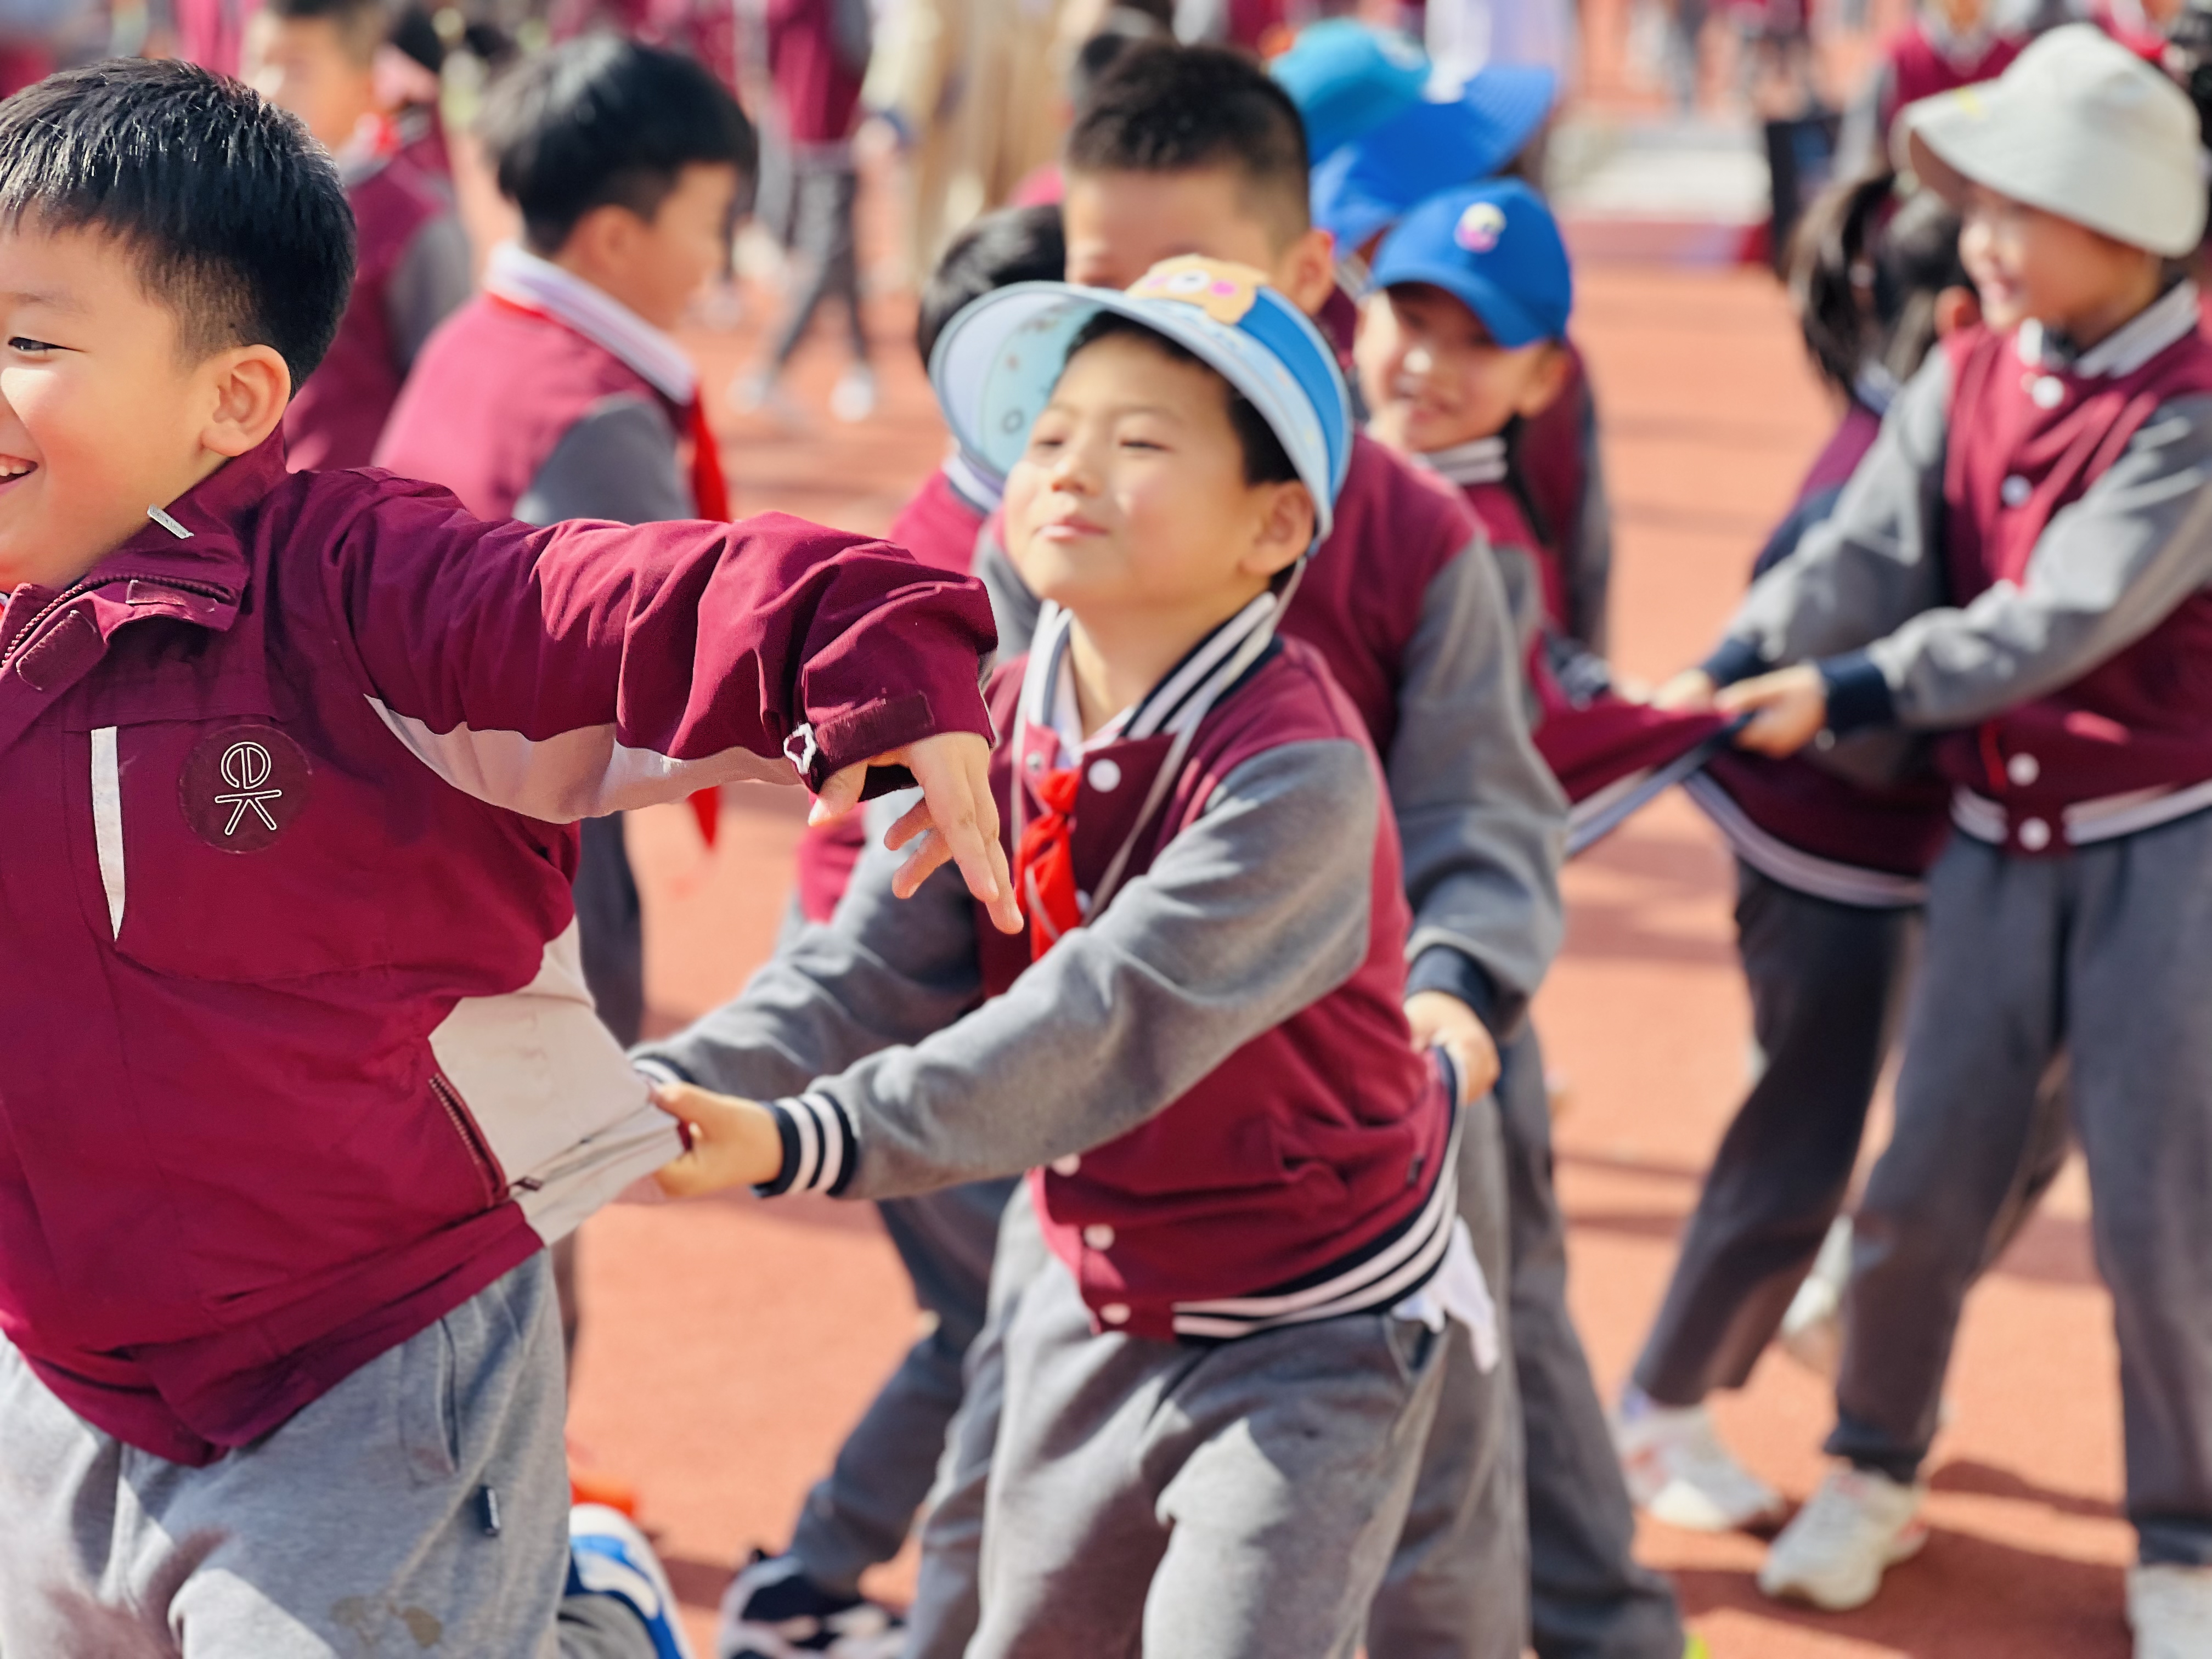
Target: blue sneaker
{"type": "Point", "coordinates": [609, 1556]}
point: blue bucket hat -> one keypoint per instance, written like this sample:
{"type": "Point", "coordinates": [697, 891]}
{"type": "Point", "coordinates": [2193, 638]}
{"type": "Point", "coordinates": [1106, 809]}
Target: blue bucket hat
{"type": "Point", "coordinates": [1497, 249]}
{"type": "Point", "coordinates": [1373, 181]}
{"type": "Point", "coordinates": [997, 363]}
{"type": "Point", "coordinates": [1347, 79]}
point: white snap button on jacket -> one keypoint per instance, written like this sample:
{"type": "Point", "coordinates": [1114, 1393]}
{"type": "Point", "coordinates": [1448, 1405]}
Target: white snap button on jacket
{"type": "Point", "coordinates": [2048, 390]}
{"type": "Point", "coordinates": [1105, 776]}
{"type": "Point", "coordinates": [1098, 1235]}
{"type": "Point", "coordinates": [2023, 770]}
{"type": "Point", "coordinates": [2015, 490]}
{"type": "Point", "coordinates": [2034, 834]}
{"type": "Point", "coordinates": [1115, 1313]}
{"type": "Point", "coordinates": [1066, 1166]}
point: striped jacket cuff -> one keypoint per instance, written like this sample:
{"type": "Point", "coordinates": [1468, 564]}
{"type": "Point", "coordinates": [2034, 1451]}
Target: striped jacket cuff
{"type": "Point", "coordinates": [820, 1150]}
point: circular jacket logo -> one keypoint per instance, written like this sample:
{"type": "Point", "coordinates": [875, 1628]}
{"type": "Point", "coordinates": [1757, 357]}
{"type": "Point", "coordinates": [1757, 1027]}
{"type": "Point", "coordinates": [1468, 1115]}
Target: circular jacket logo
{"type": "Point", "coordinates": [242, 786]}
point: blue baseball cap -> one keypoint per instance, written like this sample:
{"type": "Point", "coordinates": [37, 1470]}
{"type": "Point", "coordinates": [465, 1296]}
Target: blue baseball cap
{"type": "Point", "coordinates": [1371, 181]}
{"type": "Point", "coordinates": [998, 361]}
{"type": "Point", "coordinates": [1347, 79]}
{"type": "Point", "coordinates": [1496, 248]}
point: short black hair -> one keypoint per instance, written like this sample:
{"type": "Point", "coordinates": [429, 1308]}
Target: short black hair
{"type": "Point", "coordinates": [233, 217]}
{"type": "Point", "coordinates": [361, 25]}
{"type": "Point", "coordinates": [1265, 461]}
{"type": "Point", "coordinates": [1014, 245]}
{"type": "Point", "coordinates": [1164, 108]}
{"type": "Point", "coordinates": [605, 122]}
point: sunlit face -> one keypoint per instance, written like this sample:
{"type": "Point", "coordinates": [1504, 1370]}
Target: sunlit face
{"type": "Point", "coordinates": [2027, 263]}
{"type": "Point", "coordinates": [1432, 376]}
{"type": "Point", "coordinates": [102, 407]}
{"type": "Point", "coordinates": [655, 266]}
{"type": "Point", "coordinates": [1131, 497]}
{"type": "Point", "coordinates": [304, 64]}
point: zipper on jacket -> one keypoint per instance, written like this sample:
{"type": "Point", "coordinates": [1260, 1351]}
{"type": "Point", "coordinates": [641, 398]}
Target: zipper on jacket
{"type": "Point", "coordinates": [466, 1127]}
{"type": "Point", "coordinates": [85, 585]}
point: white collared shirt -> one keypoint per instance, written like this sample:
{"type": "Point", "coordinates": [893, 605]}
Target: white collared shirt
{"type": "Point", "coordinates": [519, 276]}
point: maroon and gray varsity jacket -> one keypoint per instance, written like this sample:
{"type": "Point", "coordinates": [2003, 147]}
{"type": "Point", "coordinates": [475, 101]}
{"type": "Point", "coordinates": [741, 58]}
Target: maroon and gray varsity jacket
{"type": "Point", "coordinates": [1212, 1078]}
{"type": "Point", "coordinates": [2021, 565]}
{"type": "Point", "coordinates": [300, 1056]}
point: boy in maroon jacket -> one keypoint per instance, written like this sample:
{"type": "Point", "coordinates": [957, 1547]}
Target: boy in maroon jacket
{"type": "Point", "coordinates": [303, 1073]}
{"type": "Point", "coordinates": [2022, 566]}
{"type": "Point", "coordinates": [1219, 1383]}
{"type": "Point", "coordinates": [318, 60]}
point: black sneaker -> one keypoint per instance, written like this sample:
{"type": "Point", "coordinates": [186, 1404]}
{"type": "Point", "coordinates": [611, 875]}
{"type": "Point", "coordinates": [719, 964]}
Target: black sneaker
{"type": "Point", "coordinates": [774, 1611]}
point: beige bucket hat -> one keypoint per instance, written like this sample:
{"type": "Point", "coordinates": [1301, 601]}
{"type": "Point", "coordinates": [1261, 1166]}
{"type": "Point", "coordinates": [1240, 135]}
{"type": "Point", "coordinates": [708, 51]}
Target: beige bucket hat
{"type": "Point", "coordinates": [2079, 126]}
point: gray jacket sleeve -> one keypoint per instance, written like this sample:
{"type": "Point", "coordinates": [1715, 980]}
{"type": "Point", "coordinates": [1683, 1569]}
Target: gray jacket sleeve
{"type": "Point", "coordinates": [882, 971]}
{"type": "Point", "coordinates": [1251, 913]}
{"type": "Point", "coordinates": [1876, 561]}
{"type": "Point", "coordinates": [618, 462]}
{"type": "Point", "coordinates": [1482, 820]}
{"type": "Point", "coordinates": [2104, 572]}
{"type": "Point", "coordinates": [1589, 557]}
{"type": "Point", "coordinates": [430, 284]}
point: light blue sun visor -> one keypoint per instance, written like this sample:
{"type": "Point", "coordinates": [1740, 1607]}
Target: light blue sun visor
{"type": "Point", "coordinates": [997, 363]}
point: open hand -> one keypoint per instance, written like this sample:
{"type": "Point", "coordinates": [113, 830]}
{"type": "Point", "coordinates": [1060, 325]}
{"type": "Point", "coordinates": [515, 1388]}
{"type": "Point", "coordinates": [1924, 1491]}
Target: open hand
{"type": "Point", "coordinates": [1441, 1020]}
{"type": "Point", "coordinates": [728, 1142]}
{"type": "Point", "coordinates": [1788, 708]}
{"type": "Point", "coordinates": [958, 820]}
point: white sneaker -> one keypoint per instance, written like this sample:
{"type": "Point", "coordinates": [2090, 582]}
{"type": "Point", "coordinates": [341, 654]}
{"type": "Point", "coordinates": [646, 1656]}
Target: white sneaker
{"type": "Point", "coordinates": [1679, 1472]}
{"type": "Point", "coordinates": [853, 398]}
{"type": "Point", "coordinates": [2170, 1610]}
{"type": "Point", "coordinates": [1834, 1553]}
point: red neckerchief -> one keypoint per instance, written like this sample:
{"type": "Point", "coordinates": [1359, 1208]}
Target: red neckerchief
{"type": "Point", "coordinates": [710, 495]}
{"type": "Point", "coordinates": [1044, 864]}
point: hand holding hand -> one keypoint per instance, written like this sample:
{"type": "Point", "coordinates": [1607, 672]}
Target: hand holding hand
{"type": "Point", "coordinates": [729, 1142]}
{"type": "Point", "coordinates": [1689, 691]}
{"type": "Point", "coordinates": [958, 820]}
{"type": "Point", "coordinates": [1788, 708]}
{"type": "Point", "coordinates": [1441, 1020]}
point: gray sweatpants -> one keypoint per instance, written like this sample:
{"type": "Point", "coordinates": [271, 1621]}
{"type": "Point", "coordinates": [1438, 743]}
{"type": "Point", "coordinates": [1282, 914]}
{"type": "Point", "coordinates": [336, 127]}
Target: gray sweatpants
{"type": "Point", "coordinates": [860, 1512]}
{"type": "Point", "coordinates": [359, 1528]}
{"type": "Point", "coordinates": [2102, 957]}
{"type": "Point", "coordinates": [1198, 1503]}
{"type": "Point", "coordinates": [1457, 1586]}
{"type": "Point", "coordinates": [1589, 1598]}
{"type": "Point", "coordinates": [1827, 984]}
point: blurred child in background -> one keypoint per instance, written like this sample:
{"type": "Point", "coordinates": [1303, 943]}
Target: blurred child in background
{"type": "Point", "coordinates": [318, 59]}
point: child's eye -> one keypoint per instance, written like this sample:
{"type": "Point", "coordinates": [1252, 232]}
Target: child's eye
{"type": "Point", "coordinates": [19, 343]}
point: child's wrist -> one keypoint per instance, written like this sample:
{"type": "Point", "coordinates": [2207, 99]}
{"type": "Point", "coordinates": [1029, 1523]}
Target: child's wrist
{"type": "Point", "coordinates": [813, 1147]}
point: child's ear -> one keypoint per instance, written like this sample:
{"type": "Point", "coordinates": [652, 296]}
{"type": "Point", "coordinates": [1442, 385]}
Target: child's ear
{"type": "Point", "coordinates": [250, 386]}
{"type": "Point", "coordinates": [1545, 384]}
{"type": "Point", "coordinates": [1956, 308]}
{"type": "Point", "coordinates": [1307, 272]}
{"type": "Point", "coordinates": [1285, 530]}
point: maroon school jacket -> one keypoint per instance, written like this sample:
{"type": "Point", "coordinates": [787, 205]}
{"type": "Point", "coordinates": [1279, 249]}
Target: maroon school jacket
{"type": "Point", "coordinates": [1313, 1156]}
{"type": "Point", "coordinates": [300, 1053]}
{"type": "Point", "coordinates": [339, 415]}
{"type": "Point", "coordinates": [493, 394]}
{"type": "Point", "coordinates": [2142, 720]}
{"type": "Point", "coordinates": [939, 526]}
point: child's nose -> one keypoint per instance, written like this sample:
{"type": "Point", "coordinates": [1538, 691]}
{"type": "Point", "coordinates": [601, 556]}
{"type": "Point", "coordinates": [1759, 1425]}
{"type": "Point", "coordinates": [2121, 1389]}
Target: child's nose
{"type": "Point", "coordinates": [1419, 360]}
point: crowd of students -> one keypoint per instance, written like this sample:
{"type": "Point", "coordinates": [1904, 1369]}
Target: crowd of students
{"type": "Point", "coordinates": [1193, 764]}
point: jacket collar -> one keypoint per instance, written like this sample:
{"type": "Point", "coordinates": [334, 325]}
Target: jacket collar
{"type": "Point", "coordinates": [2170, 318]}
{"type": "Point", "coordinates": [1478, 461]}
{"type": "Point", "coordinates": [521, 278]}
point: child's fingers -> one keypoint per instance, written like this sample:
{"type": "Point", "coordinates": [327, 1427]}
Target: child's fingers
{"type": "Point", "coordinates": [930, 854]}
{"type": "Point", "coordinates": [954, 774]}
{"type": "Point", "coordinates": [839, 795]}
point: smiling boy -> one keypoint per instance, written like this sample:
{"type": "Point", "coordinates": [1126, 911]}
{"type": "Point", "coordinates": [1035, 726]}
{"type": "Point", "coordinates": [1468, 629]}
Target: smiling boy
{"type": "Point", "coordinates": [303, 1075]}
{"type": "Point", "coordinates": [2022, 566]}
{"type": "Point", "coordinates": [1219, 1383]}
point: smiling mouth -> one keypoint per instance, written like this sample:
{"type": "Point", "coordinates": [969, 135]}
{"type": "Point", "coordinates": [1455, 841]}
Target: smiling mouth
{"type": "Point", "coordinates": [12, 470]}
